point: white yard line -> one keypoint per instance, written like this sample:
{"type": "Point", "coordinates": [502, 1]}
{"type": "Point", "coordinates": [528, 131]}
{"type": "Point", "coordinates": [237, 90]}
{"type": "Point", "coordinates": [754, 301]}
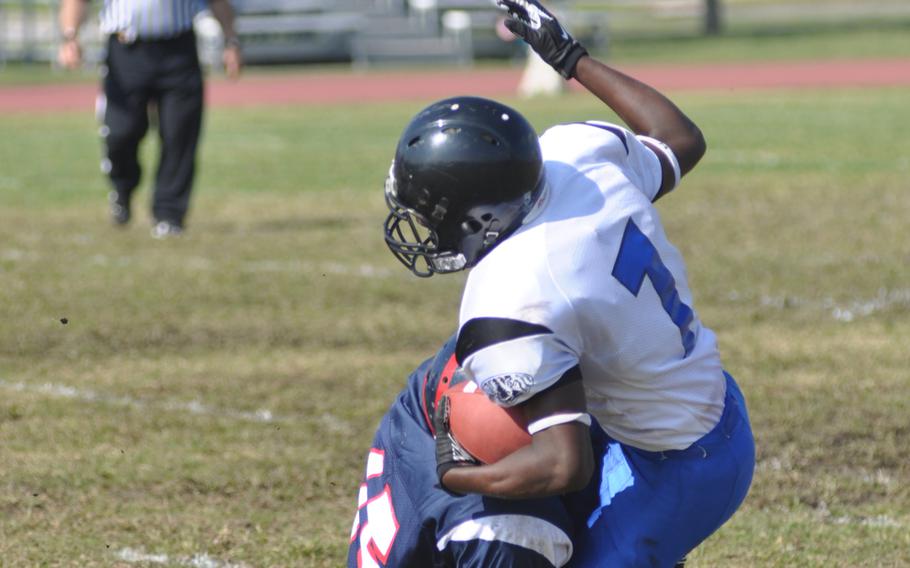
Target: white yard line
{"type": "Point", "coordinates": [861, 307]}
{"type": "Point", "coordinates": [327, 422]}
{"type": "Point", "coordinates": [200, 560]}
{"type": "Point", "coordinates": [189, 407]}
{"type": "Point", "coordinates": [884, 300]}
{"type": "Point", "coordinates": [879, 521]}
{"type": "Point", "coordinates": [363, 270]}
{"type": "Point", "coordinates": [334, 268]}
{"type": "Point", "coordinates": [845, 312]}
{"type": "Point", "coordinates": [254, 266]}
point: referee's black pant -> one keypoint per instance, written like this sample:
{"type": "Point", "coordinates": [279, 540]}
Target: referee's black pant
{"type": "Point", "coordinates": [165, 73]}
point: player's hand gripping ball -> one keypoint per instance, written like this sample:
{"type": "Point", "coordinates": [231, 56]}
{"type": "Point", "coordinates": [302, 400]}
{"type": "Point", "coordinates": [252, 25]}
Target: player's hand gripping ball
{"type": "Point", "coordinates": [479, 427]}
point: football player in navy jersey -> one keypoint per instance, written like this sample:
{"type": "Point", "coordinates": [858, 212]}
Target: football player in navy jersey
{"type": "Point", "coordinates": [405, 518]}
{"type": "Point", "coordinates": [577, 306]}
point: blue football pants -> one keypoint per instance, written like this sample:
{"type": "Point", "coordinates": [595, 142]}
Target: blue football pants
{"type": "Point", "coordinates": [655, 507]}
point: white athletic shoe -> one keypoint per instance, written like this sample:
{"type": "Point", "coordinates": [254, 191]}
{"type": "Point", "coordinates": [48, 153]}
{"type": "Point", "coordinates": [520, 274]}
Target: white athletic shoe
{"type": "Point", "coordinates": [166, 229]}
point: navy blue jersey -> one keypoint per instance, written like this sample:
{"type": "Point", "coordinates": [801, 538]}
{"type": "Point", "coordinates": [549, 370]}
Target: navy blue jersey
{"type": "Point", "coordinates": [404, 518]}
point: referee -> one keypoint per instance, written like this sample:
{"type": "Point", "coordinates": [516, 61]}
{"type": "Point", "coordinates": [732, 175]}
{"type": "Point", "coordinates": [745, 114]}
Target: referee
{"type": "Point", "coordinates": [151, 60]}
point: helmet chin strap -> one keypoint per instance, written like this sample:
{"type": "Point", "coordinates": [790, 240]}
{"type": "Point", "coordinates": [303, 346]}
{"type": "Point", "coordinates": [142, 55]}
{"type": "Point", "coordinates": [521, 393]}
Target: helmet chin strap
{"type": "Point", "coordinates": [490, 238]}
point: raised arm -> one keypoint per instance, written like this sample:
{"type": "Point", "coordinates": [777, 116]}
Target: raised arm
{"type": "Point", "coordinates": [645, 110]}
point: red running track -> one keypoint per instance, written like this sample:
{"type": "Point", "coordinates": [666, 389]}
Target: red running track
{"type": "Point", "coordinates": [309, 87]}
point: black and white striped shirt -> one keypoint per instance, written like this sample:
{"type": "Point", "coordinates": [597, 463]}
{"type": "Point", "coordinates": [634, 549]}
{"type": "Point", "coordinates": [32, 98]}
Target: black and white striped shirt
{"type": "Point", "coordinates": [149, 19]}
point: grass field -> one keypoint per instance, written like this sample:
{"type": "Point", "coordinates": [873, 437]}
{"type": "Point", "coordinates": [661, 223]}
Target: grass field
{"type": "Point", "coordinates": [211, 399]}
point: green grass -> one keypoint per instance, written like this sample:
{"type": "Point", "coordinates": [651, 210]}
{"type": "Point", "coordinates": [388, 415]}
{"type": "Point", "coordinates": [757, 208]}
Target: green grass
{"type": "Point", "coordinates": [283, 298]}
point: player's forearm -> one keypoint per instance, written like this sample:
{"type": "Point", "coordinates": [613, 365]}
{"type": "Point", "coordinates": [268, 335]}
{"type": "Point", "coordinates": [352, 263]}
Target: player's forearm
{"type": "Point", "coordinates": [223, 12]}
{"type": "Point", "coordinates": [645, 110]}
{"type": "Point", "coordinates": [540, 469]}
{"type": "Point", "coordinates": [71, 16]}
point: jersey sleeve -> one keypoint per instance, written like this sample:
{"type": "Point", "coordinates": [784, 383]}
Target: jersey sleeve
{"type": "Point", "coordinates": [512, 360]}
{"type": "Point", "coordinates": [593, 144]}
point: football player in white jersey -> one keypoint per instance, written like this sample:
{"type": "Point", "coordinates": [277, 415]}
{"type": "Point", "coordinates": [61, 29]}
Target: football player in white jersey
{"type": "Point", "coordinates": [577, 305]}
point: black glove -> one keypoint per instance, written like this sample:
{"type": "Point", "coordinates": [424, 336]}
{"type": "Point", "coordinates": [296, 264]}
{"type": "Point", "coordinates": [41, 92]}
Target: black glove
{"type": "Point", "coordinates": [449, 452]}
{"type": "Point", "coordinates": [537, 26]}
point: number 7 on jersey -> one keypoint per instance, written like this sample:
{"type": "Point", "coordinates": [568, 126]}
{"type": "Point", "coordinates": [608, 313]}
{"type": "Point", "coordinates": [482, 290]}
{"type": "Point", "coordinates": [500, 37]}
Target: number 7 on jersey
{"type": "Point", "coordinates": [638, 258]}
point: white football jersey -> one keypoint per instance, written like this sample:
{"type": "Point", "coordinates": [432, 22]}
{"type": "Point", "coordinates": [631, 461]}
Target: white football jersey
{"type": "Point", "coordinates": [590, 280]}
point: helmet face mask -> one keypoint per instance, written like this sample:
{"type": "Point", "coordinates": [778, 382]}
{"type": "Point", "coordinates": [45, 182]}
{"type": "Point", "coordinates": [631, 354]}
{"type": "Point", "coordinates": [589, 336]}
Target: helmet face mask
{"type": "Point", "coordinates": [466, 172]}
{"type": "Point", "coordinates": [414, 242]}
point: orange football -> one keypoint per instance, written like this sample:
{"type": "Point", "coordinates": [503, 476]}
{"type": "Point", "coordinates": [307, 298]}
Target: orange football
{"type": "Point", "coordinates": [489, 432]}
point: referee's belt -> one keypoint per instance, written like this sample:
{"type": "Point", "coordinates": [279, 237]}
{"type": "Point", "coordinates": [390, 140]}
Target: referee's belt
{"type": "Point", "coordinates": [127, 39]}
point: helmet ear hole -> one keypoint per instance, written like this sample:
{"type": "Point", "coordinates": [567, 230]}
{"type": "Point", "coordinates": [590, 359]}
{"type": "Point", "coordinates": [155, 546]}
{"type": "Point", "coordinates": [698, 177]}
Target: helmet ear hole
{"type": "Point", "coordinates": [490, 139]}
{"type": "Point", "coordinates": [471, 226]}
{"type": "Point", "coordinates": [486, 217]}
{"type": "Point", "coordinates": [413, 141]}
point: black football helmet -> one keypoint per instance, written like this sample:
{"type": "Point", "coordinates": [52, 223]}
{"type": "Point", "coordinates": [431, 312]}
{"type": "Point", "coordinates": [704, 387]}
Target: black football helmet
{"type": "Point", "coordinates": [466, 172]}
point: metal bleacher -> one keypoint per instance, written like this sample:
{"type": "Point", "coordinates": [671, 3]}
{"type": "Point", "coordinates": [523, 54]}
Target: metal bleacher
{"type": "Point", "coordinates": [291, 31]}
{"type": "Point", "coordinates": [368, 32]}
{"type": "Point", "coordinates": [454, 31]}
{"type": "Point", "coordinates": [363, 32]}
